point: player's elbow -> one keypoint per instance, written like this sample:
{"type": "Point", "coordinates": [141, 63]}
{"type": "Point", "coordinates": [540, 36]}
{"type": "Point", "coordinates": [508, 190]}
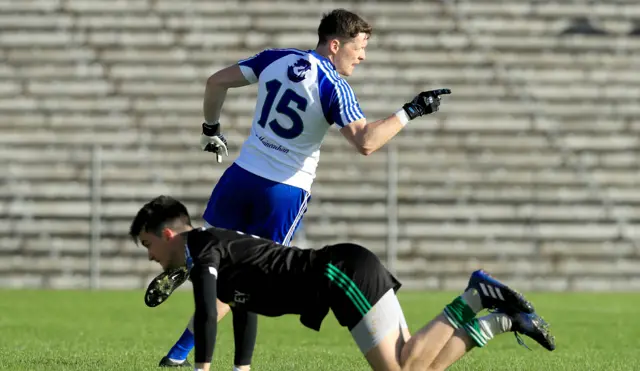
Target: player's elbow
{"type": "Point", "coordinates": [361, 137]}
{"type": "Point", "coordinates": [214, 81]}
{"type": "Point", "coordinates": [365, 151]}
{"type": "Point", "coordinates": [209, 316]}
{"type": "Point", "coordinates": [206, 312]}
{"type": "Point", "coordinates": [230, 77]}
{"type": "Point", "coordinates": [220, 80]}
{"type": "Point", "coordinates": [365, 148]}
{"type": "Point", "coordinates": [364, 145]}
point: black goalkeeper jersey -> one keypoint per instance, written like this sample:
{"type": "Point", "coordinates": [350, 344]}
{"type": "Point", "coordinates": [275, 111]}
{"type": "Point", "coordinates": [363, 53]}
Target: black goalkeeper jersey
{"type": "Point", "coordinates": [252, 274]}
{"type": "Point", "coordinates": [259, 275]}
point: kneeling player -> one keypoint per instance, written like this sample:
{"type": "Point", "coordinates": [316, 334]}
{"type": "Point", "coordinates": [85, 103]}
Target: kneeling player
{"type": "Point", "coordinates": [257, 275]}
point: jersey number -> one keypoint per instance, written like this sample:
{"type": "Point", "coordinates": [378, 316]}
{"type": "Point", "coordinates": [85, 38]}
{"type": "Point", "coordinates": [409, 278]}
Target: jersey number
{"type": "Point", "coordinates": [289, 96]}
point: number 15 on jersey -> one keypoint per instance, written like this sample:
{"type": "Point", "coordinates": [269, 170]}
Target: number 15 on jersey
{"type": "Point", "coordinates": [284, 107]}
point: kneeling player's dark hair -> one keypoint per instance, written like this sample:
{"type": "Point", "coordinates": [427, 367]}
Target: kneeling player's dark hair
{"type": "Point", "coordinates": [341, 24]}
{"type": "Point", "coordinates": [158, 213]}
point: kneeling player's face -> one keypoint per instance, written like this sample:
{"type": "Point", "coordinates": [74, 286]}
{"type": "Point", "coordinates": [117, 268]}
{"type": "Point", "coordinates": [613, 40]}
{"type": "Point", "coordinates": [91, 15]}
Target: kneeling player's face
{"type": "Point", "coordinates": [157, 249]}
{"type": "Point", "coordinates": [350, 54]}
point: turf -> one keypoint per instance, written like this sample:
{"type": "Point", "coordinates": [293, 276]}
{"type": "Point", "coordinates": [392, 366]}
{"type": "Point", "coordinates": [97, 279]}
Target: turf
{"type": "Point", "coordinates": [75, 330]}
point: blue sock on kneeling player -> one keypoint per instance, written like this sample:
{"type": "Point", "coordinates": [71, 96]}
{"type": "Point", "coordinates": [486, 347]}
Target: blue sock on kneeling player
{"type": "Point", "coordinates": [183, 346]}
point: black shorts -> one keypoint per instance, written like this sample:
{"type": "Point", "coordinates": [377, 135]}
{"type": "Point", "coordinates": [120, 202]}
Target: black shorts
{"type": "Point", "coordinates": [356, 280]}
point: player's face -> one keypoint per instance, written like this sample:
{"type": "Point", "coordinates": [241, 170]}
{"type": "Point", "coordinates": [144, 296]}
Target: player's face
{"type": "Point", "coordinates": [160, 249]}
{"type": "Point", "coordinates": [350, 54]}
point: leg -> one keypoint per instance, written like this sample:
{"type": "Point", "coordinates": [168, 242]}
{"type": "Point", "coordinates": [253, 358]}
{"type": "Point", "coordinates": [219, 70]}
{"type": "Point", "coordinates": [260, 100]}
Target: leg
{"type": "Point", "coordinates": [245, 327]}
{"type": "Point", "coordinates": [429, 349]}
{"type": "Point", "coordinates": [362, 297]}
{"type": "Point", "coordinates": [358, 278]}
{"type": "Point", "coordinates": [383, 337]}
{"type": "Point", "coordinates": [384, 355]}
{"type": "Point", "coordinates": [482, 292]}
{"type": "Point", "coordinates": [457, 346]}
{"type": "Point", "coordinates": [488, 327]}
{"type": "Point", "coordinates": [278, 211]}
{"type": "Point", "coordinates": [382, 333]}
{"type": "Point", "coordinates": [425, 345]}
{"type": "Point", "coordinates": [456, 331]}
{"type": "Point", "coordinates": [229, 206]}
{"type": "Point", "coordinates": [222, 308]}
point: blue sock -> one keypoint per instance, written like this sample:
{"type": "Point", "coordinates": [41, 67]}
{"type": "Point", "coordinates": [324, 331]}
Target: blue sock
{"type": "Point", "coordinates": [181, 349]}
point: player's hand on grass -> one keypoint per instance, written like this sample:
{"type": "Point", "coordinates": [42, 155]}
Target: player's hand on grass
{"type": "Point", "coordinates": [425, 103]}
{"type": "Point", "coordinates": [213, 141]}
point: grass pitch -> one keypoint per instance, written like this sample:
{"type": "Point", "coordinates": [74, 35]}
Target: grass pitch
{"type": "Point", "coordinates": [75, 330]}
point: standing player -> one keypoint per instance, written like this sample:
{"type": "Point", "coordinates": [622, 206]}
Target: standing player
{"type": "Point", "coordinates": [258, 275]}
{"type": "Point", "coordinates": [300, 95]}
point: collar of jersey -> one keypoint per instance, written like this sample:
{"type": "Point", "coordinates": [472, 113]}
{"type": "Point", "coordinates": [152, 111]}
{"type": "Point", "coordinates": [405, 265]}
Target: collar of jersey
{"type": "Point", "coordinates": [322, 58]}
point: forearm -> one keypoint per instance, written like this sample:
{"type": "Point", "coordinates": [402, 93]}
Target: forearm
{"type": "Point", "coordinates": [216, 90]}
{"type": "Point", "coordinates": [376, 134]}
{"type": "Point", "coordinates": [245, 328]}
{"type": "Point", "coordinates": [205, 328]}
{"type": "Point", "coordinates": [205, 318]}
{"type": "Point", "coordinates": [214, 96]}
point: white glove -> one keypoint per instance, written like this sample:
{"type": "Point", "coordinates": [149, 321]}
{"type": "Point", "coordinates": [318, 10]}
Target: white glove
{"type": "Point", "coordinates": [211, 140]}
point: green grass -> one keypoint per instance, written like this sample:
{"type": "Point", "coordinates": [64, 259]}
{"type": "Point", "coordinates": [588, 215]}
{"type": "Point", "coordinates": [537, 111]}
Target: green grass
{"type": "Point", "coordinates": [73, 330]}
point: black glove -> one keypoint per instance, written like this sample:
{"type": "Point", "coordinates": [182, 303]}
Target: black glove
{"type": "Point", "coordinates": [424, 103]}
{"type": "Point", "coordinates": [161, 287]}
{"type": "Point", "coordinates": [212, 140]}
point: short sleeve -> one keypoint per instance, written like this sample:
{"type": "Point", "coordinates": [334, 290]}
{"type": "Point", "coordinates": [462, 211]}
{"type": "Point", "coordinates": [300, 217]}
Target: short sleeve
{"type": "Point", "coordinates": [201, 250]}
{"type": "Point", "coordinates": [339, 102]}
{"type": "Point", "coordinates": [253, 66]}
{"type": "Point", "coordinates": [344, 106]}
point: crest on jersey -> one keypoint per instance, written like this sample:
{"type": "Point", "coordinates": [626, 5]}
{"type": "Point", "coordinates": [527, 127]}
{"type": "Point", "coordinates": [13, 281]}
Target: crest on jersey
{"type": "Point", "coordinates": [299, 70]}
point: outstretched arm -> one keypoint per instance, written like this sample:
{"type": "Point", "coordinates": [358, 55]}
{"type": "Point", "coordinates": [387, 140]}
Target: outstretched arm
{"type": "Point", "coordinates": [206, 315]}
{"type": "Point", "coordinates": [245, 328]}
{"type": "Point", "coordinates": [369, 137]}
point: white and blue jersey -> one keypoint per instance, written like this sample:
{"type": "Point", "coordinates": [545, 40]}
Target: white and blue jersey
{"type": "Point", "coordinates": [300, 94]}
{"type": "Point", "coordinates": [266, 191]}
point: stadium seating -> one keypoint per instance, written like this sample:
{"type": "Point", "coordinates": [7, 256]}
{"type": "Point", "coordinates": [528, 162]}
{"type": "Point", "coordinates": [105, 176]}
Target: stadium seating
{"type": "Point", "coordinates": [529, 170]}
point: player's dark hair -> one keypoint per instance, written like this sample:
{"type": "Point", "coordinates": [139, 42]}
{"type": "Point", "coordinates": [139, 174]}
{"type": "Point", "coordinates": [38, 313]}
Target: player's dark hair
{"type": "Point", "coordinates": [341, 24]}
{"type": "Point", "coordinates": [158, 213]}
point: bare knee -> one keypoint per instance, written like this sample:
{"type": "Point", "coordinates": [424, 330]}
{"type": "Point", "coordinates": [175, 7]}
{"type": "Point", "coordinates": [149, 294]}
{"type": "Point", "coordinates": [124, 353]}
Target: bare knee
{"type": "Point", "coordinates": [422, 360]}
{"type": "Point", "coordinates": [417, 365]}
{"type": "Point", "coordinates": [222, 308]}
{"type": "Point", "coordinates": [384, 355]}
